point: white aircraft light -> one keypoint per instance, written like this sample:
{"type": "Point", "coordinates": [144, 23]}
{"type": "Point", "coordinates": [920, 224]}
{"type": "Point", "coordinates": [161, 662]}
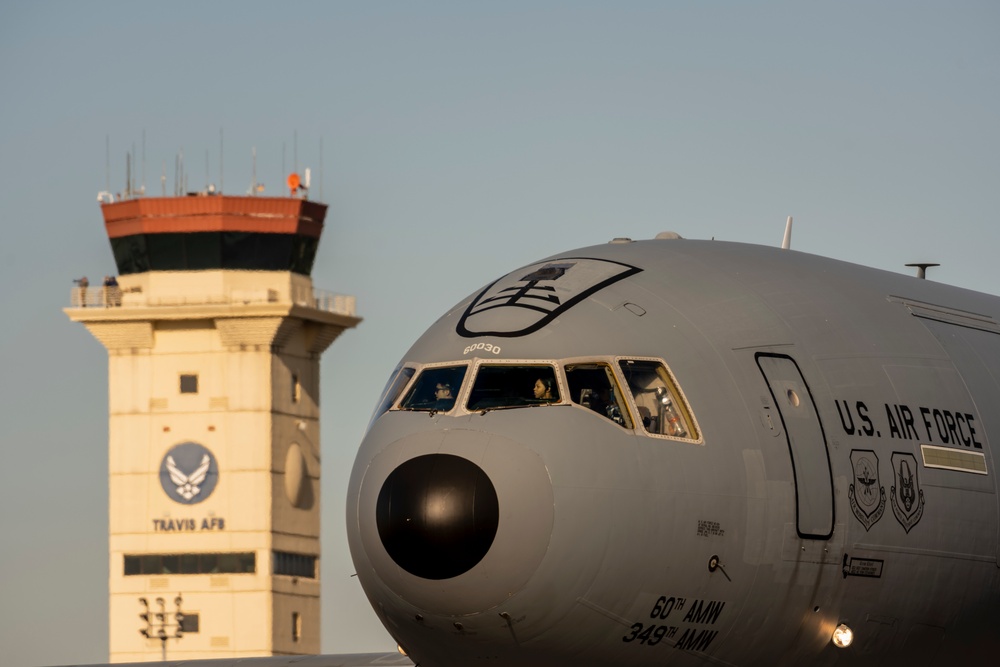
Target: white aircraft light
{"type": "Point", "coordinates": [843, 636]}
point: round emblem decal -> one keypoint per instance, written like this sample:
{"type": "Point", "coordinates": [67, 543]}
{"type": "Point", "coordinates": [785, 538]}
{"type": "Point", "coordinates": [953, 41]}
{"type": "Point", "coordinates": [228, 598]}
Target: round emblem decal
{"type": "Point", "coordinates": [189, 473]}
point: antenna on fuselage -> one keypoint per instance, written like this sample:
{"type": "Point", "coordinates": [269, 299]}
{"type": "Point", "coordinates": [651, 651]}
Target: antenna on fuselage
{"type": "Point", "coordinates": [922, 268]}
{"type": "Point", "coordinates": [786, 242]}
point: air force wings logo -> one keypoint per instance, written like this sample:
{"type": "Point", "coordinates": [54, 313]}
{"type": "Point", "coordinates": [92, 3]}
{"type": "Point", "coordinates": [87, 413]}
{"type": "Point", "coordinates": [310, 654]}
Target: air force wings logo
{"type": "Point", "coordinates": [866, 493]}
{"type": "Point", "coordinates": [907, 496]}
{"type": "Point", "coordinates": [189, 473]}
{"type": "Point", "coordinates": [526, 300]}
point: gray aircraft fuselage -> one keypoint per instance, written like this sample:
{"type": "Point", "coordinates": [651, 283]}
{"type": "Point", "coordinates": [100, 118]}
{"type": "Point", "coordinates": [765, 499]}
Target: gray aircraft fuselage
{"type": "Point", "coordinates": [676, 452]}
{"type": "Point", "coordinates": [735, 449]}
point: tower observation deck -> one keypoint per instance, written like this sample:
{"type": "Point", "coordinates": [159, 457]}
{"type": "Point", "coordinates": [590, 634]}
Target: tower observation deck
{"type": "Point", "coordinates": [214, 333]}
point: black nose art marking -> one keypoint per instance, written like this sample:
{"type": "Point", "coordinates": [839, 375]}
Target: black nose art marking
{"type": "Point", "coordinates": [437, 515]}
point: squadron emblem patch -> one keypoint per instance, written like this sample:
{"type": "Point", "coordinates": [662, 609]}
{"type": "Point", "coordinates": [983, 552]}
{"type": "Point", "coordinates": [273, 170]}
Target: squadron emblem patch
{"type": "Point", "coordinates": [866, 493]}
{"type": "Point", "coordinates": [907, 496]}
{"type": "Point", "coordinates": [525, 300]}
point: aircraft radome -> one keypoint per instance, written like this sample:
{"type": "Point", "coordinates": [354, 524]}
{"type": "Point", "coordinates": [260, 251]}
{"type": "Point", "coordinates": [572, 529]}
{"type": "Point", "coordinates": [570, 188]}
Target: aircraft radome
{"type": "Point", "coordinates": [679, 452]}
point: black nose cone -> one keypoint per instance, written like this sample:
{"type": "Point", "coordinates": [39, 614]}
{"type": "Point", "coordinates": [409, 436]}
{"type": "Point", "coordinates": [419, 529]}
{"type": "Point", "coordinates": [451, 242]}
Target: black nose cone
{"type": "Point", "coordinates": [437, 515]}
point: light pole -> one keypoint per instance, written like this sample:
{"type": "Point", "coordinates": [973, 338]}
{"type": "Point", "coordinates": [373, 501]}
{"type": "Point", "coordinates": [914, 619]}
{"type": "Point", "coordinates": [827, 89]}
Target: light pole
{"type": "Point", "coordinates": [158, 623]}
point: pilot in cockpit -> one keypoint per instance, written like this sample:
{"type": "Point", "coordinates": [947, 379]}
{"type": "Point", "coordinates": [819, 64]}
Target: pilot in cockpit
{"type": "Point", "coordinates": [544, 389]}
{"type": "Point", "coordinates": [443, 400]}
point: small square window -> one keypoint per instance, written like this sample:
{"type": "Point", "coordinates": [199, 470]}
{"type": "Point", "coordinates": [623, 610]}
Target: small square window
{"type": "Point", "coordinates": [189, 384]}
{"type": "Point", "coordinates": [152, 564]}
{"type": "Point", "coordinates": [209, 563]}
{"type": "Point", "coordinates": [133, 565]}
{"type": "Point", "coordinates": [189, 563]}
{"type": "Point", "coordinates": [229, 562]}
{"type": "Point", "coordinates": [247, 563]}
{"type": "Point", "coordinates": [190, 623]}
{"type": "Point", "coordinates": [171, 564]}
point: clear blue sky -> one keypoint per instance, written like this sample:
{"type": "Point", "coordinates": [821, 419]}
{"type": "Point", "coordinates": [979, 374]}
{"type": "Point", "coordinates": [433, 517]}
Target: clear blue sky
{"type": "Point", "coordinates": [461, 140]}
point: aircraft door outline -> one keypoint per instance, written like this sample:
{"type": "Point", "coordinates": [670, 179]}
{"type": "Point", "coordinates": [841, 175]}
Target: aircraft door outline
{"type": "Point", "coordinates": [807, 446]}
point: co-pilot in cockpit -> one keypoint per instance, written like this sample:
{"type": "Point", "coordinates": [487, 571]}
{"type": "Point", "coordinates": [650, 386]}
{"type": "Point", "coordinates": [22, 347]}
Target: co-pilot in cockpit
{"type": "Point", "coordinates": [434, 389]}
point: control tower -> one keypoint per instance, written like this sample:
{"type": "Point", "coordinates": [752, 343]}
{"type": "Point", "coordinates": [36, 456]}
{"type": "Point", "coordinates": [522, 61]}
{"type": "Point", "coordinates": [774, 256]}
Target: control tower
{"type": "Point", "coordinates": [214, 334]}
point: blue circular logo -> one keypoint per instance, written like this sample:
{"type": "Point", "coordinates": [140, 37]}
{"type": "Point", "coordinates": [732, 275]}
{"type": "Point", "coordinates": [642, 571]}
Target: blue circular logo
{"type": "Point", "coordinates": [189, 473]}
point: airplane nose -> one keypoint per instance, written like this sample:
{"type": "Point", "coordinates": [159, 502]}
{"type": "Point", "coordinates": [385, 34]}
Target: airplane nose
{"type": "Point", "coordinates": [451, 521]}
{"type": "Point", "coordinates": [437, 515]}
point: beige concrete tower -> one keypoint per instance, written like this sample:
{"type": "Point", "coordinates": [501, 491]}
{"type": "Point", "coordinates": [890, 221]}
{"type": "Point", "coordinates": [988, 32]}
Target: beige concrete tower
{"type": "Point", "coordinates": [214, 334]}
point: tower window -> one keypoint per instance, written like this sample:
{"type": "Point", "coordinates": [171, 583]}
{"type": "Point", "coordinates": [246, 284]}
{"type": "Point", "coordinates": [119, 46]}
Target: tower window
{"type": "Point", "coordinates": [294, 565]}
{"type": "Point", "coordinates": [189, 383]}
{"type": "Point", "coordinates": [190, 623]}
{"type": "Point", "coordinates": [296, 388]}
{"type": "Point", "coordinates": [296, 626]}
{"type": "Point", "coordinates": [209, 563]}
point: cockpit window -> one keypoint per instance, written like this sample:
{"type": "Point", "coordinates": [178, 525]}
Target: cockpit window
{"type": "Point", "coordinates": [392, 390]}
{"type": "Point", "coordinates": [510, 386]}
{"type": "Point", "coordinates": [593, 386]}
{"type": "Point", "coordinates": [657, 400]}
{"type": "Point", "coordinates": [435, 389]}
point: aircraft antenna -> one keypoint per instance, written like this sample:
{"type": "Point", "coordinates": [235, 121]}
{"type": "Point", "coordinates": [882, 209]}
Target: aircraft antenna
{"type": "Point", "coordinates": [220, 160]}
{"type": "Point", "coordinates": [786, 243]}
{"type": "Point", "coordinates": [143, 161]}
{"type": "Point", "coordinates": [321, 169]}
{"type": "Point", "coordinates": [128, 175]}
{"type": "Point", "coordinates": [922, 268]}
{"type": "Point", "coordinates": [107, 163]}
{"type": "Point", "coordinates": [295, 150]}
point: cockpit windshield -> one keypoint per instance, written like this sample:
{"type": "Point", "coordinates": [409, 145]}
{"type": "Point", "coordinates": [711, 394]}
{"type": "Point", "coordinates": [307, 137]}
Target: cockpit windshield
{"type": "Point", "coordinates": [639, 394]}
{"type": "Point", "coordinates": [510, 386]}
{"type": "Point", "coordinates": [392, 390]}
{"type": "Point", "coordinates": [656, 399]}
{"type": "Point", "coordinates": [435, 389]}
{"type": "Point", "coordinates": [593, 386]}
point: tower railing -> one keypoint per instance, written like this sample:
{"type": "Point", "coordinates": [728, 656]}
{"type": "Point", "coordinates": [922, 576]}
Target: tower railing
{"type": "Point", "coordinates": [116, 297]}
